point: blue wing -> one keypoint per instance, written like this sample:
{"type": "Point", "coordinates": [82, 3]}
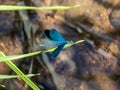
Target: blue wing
{"type": "Point", "coordinates": [57, 50]}
{"type": "Point", "coordinates": [54, 36]}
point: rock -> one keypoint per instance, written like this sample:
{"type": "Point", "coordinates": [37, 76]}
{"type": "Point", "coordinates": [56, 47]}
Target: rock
{"type": "Point", "coordinates": [84, 67]}
{"type": "Point", "coordinates": [115, 18]}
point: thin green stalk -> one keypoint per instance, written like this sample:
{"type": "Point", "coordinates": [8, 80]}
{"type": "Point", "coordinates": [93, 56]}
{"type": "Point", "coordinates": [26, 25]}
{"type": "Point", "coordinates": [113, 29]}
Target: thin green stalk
{"type": "Point", "coordinates": [20, 73]}
{"type": "Point", "coordinates": [14, 57]}
{"type": "Point", "coordinates": [15, 76]}
{"type": "Point", "coordinates": [8, 7]}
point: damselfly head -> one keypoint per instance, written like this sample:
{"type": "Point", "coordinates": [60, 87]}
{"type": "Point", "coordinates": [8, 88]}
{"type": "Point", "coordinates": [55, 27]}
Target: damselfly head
{"type": "Point", "coordinates": [69, 42]}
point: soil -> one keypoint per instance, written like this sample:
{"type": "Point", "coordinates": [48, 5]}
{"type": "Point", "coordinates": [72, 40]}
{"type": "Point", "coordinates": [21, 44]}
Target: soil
{"type": "Point", "coordinates": [91, 65]}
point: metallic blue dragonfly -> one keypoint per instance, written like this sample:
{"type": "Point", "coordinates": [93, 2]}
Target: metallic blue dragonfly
{"type": "Point", "coordinates": [56, 39]}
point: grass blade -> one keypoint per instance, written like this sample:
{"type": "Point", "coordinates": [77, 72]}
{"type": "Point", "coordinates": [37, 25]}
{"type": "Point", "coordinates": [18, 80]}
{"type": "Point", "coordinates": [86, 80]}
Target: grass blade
{"type": "Point", "coordinates": [15, 76]}
{"type": "Point", "coordinates": [20, 73]}
{"type": "Point", "coordinates": [8, 7]}
{"type": "Point", "coordinates": [14, 57]}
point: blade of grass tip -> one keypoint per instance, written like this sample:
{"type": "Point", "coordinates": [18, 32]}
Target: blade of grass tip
{"type": "Point", "coordinates": [66, 46]}
{"type": "Point", "coordinates": [8, 7]}
{"type": "Point", "coordinates": [1, 85]}
{"type": "Point", "coordinates": [15, 57]}
{"type": "Point", "coordinates": [15, 76]}
{"type": "Point", "coordinates": [71, 44]}
{"type": "Point", "coordinates": [76, 6]}
{"type": "Point", "coordinates": [20, 73]}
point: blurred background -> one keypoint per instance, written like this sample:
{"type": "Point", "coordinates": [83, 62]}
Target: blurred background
{"type": "Point", "coordinates": [91, 65]}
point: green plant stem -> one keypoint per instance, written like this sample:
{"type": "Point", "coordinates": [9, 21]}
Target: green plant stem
{"type": "Point", "coordinates": [20, 73]}
{"type": "Point", "coordinates": [15, 76]}
{"type": "Point", "coordinates": [8, 7]}
{"type": "Point", "coordinates": [14, 57]}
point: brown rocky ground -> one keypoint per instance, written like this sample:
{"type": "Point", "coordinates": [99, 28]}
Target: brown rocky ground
{"type": "Point", "coordinates": [92, 65]}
